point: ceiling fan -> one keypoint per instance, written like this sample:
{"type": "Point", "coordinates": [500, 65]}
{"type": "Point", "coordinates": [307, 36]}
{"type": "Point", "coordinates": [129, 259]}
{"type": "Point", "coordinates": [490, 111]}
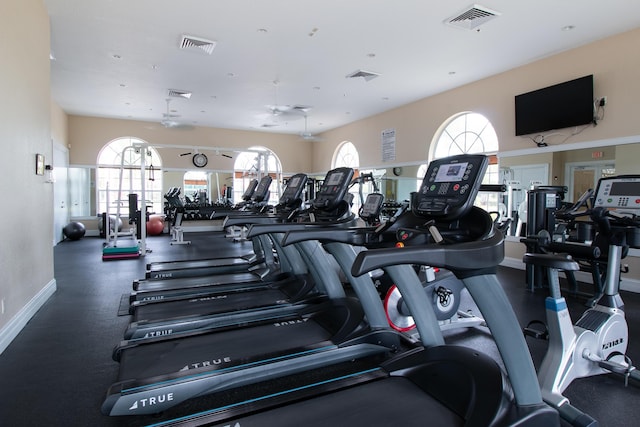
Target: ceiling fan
{"type": "Point", "coordinates": [306, 135]}
{"type": "Point", "coordinates": [279, 114]}
{"type": "Point", "coordinates": [168, 119]}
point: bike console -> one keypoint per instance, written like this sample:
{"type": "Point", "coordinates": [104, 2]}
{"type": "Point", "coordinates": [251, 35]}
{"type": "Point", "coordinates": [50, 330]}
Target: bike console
{"type": "Point", "coordinates": [621, 192]}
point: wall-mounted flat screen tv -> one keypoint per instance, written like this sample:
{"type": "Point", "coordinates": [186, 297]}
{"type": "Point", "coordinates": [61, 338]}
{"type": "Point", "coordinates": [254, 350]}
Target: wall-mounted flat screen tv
{"type": "Point", "coordinates": [555, 107]}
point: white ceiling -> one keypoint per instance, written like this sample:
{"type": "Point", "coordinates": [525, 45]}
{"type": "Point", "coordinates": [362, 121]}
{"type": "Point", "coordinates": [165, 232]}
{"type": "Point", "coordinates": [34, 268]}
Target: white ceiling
{"type": "Point", "coordinates": [119, 58]}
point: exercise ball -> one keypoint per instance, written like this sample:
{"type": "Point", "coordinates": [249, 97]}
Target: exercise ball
{"type": "Point", "coordinates": [74, 230]}
{"type": "Point", "coordinates": [155, 225]}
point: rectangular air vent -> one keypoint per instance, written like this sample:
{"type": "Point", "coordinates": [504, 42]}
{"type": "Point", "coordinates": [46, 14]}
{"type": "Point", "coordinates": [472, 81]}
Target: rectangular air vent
{"type": "Point", "coordinates": [366, 75]}
{"type": "Point", "coordinates": [174, 93]}
{"type": "Point", "coordinates": [471, 18]}
{"type": "Point", "coordinates": [197, 44]}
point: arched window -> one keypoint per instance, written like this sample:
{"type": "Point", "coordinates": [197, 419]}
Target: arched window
{"type": "Point", "coordinates": [422, 170]}
{"type": "Point", "coordinates": [346, 155]}
{"type": "Point", "coordinates": [467, 133]}
{"type": "Point", "coordinates": [119, 160]}
{"type": "Point", "coordinates": [255, 164]}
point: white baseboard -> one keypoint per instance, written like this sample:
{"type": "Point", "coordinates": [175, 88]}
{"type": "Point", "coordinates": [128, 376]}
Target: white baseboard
{"type": "Point", "coordinates": [626, 284]}
{"type": "Point", "coordinates": [15, 325]}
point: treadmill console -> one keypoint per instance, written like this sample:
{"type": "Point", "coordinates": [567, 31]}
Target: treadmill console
{"type": "Point", "coordinates": [246, 196]}
{"type": "Point", "coordinates": [262, 190]}
{"type": "Point", "coordinates": [370, 211]}
{"type": "Point", "coordinates": [618, 192]}
{"type": "Point", "coordinates": [450, 186]}
{"type": "Point", "coordinates": [294, 189]}
{"type": "Point", "coordinates": [333, 189]}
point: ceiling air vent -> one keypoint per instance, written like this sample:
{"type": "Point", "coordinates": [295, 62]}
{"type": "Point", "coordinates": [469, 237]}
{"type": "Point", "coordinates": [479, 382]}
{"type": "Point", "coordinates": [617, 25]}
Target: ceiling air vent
{"type": "Point", "coordinates": [366, 75]}
{"type": "Point", "coordinates": [174, 93]}
{"type": "Point", "coordinates": [472, 17]}
{"type": "Point", "coordinates": [196, 43]}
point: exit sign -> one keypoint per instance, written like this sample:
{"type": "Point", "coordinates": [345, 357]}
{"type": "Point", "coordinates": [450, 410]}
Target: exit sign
{"type": "Point", "coordinates": [597, 154]}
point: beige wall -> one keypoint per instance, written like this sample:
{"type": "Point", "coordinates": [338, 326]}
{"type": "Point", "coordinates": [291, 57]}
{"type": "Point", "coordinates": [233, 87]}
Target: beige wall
{"type": "Point", "coordinates": [26, 259]}
{"type": "Point", "coordinates": [627, 159]}
{"type": "Point", "coordinates": [612, 61]}
{"type": "Point", "coordinates": [87, 135]}
{"type": "Point", "coordinates": [59, 125]}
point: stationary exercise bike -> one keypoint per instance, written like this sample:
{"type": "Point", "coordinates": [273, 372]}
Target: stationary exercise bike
{"type": "Point", "coordinates": [443, 288]}
{"type": "Point", "coordinates": [597, 343]}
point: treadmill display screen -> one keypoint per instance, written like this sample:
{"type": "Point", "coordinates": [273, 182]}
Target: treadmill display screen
{"type": "Point", "coordinates": [294, 182]}
{"type": "Point", "coordinates": [452, 172]}
{"type": "Point", "coordinates": [334, 179]}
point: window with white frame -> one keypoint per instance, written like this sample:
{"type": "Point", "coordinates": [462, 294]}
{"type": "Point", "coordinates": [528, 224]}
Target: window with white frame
{"type": "Point", "coordinates": [346, 155]}
{"type": "Point", "coordinates": [468, 133]}
{"type": "Point", "coordinates": [119, 174]}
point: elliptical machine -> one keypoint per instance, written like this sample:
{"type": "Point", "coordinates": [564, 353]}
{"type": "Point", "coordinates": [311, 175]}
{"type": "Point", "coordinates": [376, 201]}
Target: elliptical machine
{"type": "Point", "coordinates": [597, 343]}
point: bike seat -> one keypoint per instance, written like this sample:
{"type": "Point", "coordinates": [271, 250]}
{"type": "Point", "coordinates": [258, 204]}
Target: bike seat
{"type": "Point", "coordinates": [559, 261]}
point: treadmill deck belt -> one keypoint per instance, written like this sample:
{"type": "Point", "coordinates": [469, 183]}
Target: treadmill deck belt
{"type": "Point", "coordinates": [174, 265]}
{"type": "Point", "coordinates": [180, 283]}
{"type": "Point", "coordinates": [220, 350]}
{"type": "Point", "coordinates": [213, 304]}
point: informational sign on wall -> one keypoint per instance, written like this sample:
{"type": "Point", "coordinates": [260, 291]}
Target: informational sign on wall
{"type": "Point", "coordinates": [388, 138]}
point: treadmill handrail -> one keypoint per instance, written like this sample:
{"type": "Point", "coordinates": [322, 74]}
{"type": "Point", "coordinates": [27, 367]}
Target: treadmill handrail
{"type": "Point", "coordinates": [247, 220]}
{"type": "Point", "coordinates": [352, 236]}
{"type": "Point", "coordinates": [259, 229]}
{"type": "Point", "coordinates": [475, 255]}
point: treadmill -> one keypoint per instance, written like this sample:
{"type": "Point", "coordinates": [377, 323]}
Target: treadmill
{"type": "Point", "coordinates": [255, 195]}
{"type": "Point", "coordinates": [432, 383]}
{"type": "Point", "coordinates": [226, 305]}
{"type": "Point", "coordinates": [161, 289]}
{"type": "Point", "coordinates": [250, 305]}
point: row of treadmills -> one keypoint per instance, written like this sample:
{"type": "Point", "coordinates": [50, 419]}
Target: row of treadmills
{"type": "Point", "coordinates": [297, 335]}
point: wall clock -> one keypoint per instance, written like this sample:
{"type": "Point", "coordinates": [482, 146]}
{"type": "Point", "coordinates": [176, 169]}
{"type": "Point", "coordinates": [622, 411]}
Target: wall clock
{"type": "Point", "coordinates": [397, 171]}
{"type": "Point", "coordinates": [200, 160]}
